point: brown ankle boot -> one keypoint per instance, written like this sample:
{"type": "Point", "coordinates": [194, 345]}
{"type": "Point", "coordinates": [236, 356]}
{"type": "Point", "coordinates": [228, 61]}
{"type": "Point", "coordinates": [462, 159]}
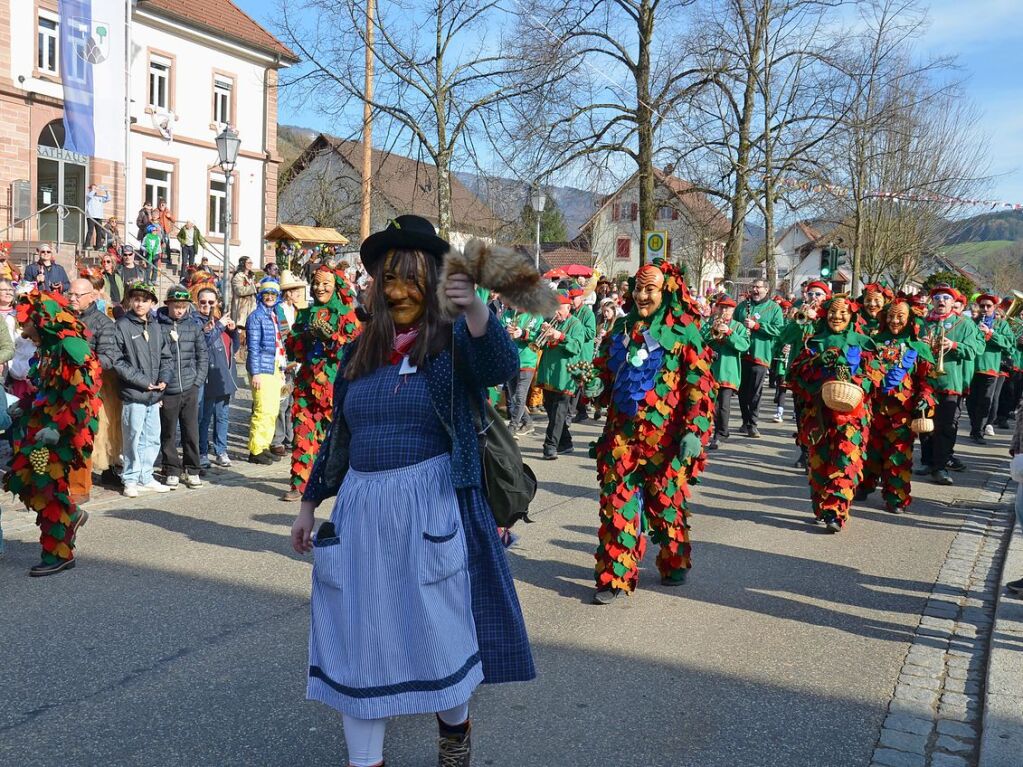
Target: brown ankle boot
{"type": "Point", "coordinates": [455, 747]}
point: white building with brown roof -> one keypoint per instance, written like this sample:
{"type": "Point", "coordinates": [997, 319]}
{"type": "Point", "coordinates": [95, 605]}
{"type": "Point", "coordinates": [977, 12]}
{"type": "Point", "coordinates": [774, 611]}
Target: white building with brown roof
{"type": "Point", "coordinates": [195, 66]}
{"type": "Point", "coordinates": [323, 188]}
{"type": "Point", "coordinates": [696, 230]}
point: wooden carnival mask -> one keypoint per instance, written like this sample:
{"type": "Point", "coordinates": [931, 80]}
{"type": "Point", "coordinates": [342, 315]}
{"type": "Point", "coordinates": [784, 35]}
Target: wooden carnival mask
{"type": "Point", "coordinates": [839, 315]}
{"type": "Point", "coordinates": [873, 303]}
{"type": "Point", "coordinates": [898, 318]}
{"type": "Point", "coordinates": [647, 294]}
{"type": "Point", "coordinates": [405, 291]}
{"type": "Point", "coordinates": [324, 286]}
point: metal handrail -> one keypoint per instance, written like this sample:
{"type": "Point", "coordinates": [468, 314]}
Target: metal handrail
{"type": "Point", "coordinates": [58, 206]}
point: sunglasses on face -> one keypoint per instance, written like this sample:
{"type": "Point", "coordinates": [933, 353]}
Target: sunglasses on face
{"type": "Point", "coordinates": [207, 303]}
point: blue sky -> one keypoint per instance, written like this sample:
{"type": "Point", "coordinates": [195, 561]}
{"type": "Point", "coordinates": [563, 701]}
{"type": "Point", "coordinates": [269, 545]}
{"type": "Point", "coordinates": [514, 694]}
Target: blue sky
{"type": "Point", "coordinates": [985, 35]}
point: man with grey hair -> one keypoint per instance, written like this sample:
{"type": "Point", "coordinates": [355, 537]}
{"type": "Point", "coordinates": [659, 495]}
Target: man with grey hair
{"type": "Point", "coordinates": [764, 320]}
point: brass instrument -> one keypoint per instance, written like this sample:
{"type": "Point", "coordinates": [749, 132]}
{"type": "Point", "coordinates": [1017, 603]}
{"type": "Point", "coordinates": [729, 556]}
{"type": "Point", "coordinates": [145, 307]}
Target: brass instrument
{"type": "Point", "coordinates": [719, 329]}
{"type": "Point", "coordinates": [1016, 307]}
{"type": "Point", "coordinates": [541, 340]}
{"type": "Point", "coordinates": [939, 369]}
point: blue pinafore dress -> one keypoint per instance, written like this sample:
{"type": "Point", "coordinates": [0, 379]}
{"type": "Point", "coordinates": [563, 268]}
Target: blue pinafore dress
{"type": "Point", "coordinates": [392, 628]}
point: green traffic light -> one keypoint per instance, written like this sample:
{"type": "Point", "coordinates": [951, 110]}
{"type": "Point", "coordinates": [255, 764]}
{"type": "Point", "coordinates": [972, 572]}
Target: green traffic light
{"type": "Point", "coordinates": [825, 272]}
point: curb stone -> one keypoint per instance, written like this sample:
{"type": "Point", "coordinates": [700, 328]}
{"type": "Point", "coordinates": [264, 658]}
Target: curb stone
{"type": "Point", "coordinates": [934, 718]}
{"type": "Point", "coordinates": [1002, 739]}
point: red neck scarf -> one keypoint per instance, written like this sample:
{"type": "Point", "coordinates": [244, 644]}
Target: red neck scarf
{"type": "Point", "coordinates": [402, 344]}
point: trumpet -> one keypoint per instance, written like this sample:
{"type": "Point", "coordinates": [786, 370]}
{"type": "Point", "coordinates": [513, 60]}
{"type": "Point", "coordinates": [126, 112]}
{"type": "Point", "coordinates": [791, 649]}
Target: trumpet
{"type": "Point", "coordinates": [719, 330]}
{"type": "Point", "coordinates": [545, 336]}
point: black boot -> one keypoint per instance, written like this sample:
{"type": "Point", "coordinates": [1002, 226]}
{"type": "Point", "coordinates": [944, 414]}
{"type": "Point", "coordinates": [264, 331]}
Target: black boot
{"type": "Point", "coordinates": [455, 748]}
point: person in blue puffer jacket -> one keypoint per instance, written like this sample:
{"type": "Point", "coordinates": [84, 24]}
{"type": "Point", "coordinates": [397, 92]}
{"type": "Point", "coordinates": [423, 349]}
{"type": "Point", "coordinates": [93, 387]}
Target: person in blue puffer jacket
{"type": "Point", "coordinates": [265, 365]}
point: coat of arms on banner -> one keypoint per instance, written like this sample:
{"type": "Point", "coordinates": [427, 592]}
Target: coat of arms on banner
{"type": "Point", "coordinates": [93, 43]}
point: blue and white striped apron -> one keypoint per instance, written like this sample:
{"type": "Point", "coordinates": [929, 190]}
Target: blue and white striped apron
{"type": "Point", "coordinates": [392, 628]}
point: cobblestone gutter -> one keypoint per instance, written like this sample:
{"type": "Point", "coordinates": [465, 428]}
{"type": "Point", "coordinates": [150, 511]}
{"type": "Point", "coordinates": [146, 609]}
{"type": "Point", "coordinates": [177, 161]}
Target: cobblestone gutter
{"type": "Point", "coordinates": [934, 718]}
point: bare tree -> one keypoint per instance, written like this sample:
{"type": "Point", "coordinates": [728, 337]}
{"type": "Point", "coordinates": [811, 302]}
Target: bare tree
{"type": "Point", "coordinates": [622, 75]}
{"type": "Point", "coordinates": [439, 67]}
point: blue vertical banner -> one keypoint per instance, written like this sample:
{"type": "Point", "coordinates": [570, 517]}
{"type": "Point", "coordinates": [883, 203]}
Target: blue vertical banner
{"type": "Point", "coordinates": [92, 71]}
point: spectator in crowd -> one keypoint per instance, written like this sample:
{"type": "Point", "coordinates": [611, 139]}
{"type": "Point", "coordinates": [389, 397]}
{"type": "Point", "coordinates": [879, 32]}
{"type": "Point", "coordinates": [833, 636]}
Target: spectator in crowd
{"type": "Point", "coordinates": [293, 298]}
{"type": "Point", "coordinates": [265, 363]}
{"type": "Point", "coordinates": [113, 234]}
{"type": "Point", "coordinates": [191, 240]}
{"type": "Point", "coordinates": [82, 301]}
{"type": "Point", "coordinates": [1016, 587]}
{"type": "Point", "coordinates": [314, 262]}
{"type": "Point", "coordinates": [94, 231]}
{"type": "Point", "coordinates": [7, 270]}
{"type": "Point", "coordinates": [8, 312]}
{"type": "Point", "coordinates": [243, 292]}
{"type": "Point", "coordinates": [143, 364]}
{"type": "Point", "coordinates": [165, 220]}
{"type": "Point", "coordinates": [272, 270]}
{"type": "Point", "coordinates": [45, 273]}
{"type": "Point", "coordinates": [113, 283]}
{"type": "Point", "coordinates": [131, 270]}
{"type": "Point", "coordinates": [180, 406]}
{"type": "Point", "coordinates": [143, 220]}
{"type": "Point", "coordinates": [151, 245]}
{"type": "Point", "coordinates": [221, 345]}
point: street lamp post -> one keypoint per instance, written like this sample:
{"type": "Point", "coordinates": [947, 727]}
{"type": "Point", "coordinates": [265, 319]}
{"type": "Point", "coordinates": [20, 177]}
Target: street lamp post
{"type": "Point", "coordinates": [538, 200]}
{"type": "Point", "coordinates": [228, 144]}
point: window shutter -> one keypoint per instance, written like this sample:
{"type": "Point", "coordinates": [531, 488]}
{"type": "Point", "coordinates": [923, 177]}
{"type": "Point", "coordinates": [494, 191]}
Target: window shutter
{"type": "Point", "coordinates": [614, 212]}
{"type": "Point", "coordinates": [635, 212]}
{"type": "Point", "coordinates": [674, 214]}
{"type": "Point", "coordinates": [669, 248]}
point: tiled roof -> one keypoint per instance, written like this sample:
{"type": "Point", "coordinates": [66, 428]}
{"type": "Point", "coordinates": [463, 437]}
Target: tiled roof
{"type": "Point", "coordinates": [221, 17]}
{"type": "Point", "coordinates": [410, 186]}
{"type": "Point", "coordinates": [557, 254]}
{"type": "Point", "coordinates": [701, 210]}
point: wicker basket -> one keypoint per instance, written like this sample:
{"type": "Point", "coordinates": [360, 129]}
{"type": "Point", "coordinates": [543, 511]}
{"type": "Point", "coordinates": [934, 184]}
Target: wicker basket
{"type": "Point", "coordinates": [841, 396]}
{"type": "Point", "coordinates": [922, 425]}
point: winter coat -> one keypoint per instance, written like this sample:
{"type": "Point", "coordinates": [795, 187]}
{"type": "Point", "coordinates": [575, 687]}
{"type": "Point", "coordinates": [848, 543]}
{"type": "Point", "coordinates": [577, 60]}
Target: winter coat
{"type": "Point", "coordinates": [261, 336]}
{"type": "Point", "coordinates": [769, 323]}
{"type": "Point", "coordinates": [52, 274]}
{"type": "Point", "coordinates": [552, 373]}
{"type": "Point", "coordinates": [243, 297]}
{"type": "Point", "coordinates": [189, 359]}
{"type": "Point", "coordinates": [221, 345]}
{"type": "Point", "coordinates": [726, 367]}
{"type": "Point", "coordinates": [142, 222]}
{"type": "Point", "coordinates": [139, 361]}
{"type": "Point", "coordinates": [200, 241]}
{"type": "Point", "coordinates": [101, 336]}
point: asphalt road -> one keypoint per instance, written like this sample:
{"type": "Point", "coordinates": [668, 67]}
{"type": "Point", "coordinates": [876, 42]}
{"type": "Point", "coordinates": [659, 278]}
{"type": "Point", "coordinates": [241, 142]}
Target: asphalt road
{"type": "Point", "coordinates": [180, 639]}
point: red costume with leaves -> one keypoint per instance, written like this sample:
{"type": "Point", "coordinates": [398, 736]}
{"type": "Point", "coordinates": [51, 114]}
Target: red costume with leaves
{"type": "Point", "coordinates": [57, 425]}
{"type": "Point", "coordinates": [315, 342]}
{"type": "Point", "coordinates": [659, 395]}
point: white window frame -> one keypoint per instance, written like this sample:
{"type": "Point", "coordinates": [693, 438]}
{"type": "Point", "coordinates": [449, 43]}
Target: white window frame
{"type": "Point", "coordinates": [46, 63]}
{"type": "Point", "coordinates": [217, 205]}
{"type": "Point", "coordinates": [156, 188]}
{"type": "Point", "coordinates": [223, 88]}
{"type": "Point", "coordinates": [159, 79]}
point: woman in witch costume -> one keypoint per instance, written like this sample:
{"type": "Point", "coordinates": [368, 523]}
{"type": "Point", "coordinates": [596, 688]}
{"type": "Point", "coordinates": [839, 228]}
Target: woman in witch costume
{"type": "Point", "coordinates": [835, 440]}
{"type": "Point", "coordinates": [905, 393]}
{"type": "Point", "coordinates": [659, 395]}
{"type": "Point", "coordinates": [57, 425]}
{"type": "Point", "coordinates": [315, 342]}
{"type": "Point", "coordinates": [413, 603]}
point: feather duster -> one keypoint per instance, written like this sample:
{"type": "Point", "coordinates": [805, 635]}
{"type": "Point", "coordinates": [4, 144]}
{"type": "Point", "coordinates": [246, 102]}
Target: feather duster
{"type": "Point", "coordinates": [503, 270]}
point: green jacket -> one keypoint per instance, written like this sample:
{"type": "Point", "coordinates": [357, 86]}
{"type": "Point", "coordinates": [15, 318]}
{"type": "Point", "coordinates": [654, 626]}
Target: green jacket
{"type": "Point", "coordinates": [989, 361]}
{"type": "Point", "coordinates": [552, 372]}
{"type": "Point", "coordinates": [725, 367]}
{"type": "Point", "coordinates": [794, 336]}
{"type": "Point", "coordinates": [530, 325]}
{"type": "Point", "coordinates": [152, 245]}
{"type": "Point", "coordinates": [770, 321]}
{"type": "Point", "coordinates": [959, 360]}
{"type": "Point", "coordinates": [589, 321]}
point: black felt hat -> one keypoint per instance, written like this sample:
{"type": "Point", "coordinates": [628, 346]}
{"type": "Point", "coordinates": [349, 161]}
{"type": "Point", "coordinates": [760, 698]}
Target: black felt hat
{"type": "Point", "coordinates": [406, 232]}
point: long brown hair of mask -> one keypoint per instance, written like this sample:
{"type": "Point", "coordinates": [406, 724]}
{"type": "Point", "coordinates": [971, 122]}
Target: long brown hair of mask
{"type": "Point", "coordinates": [373, 347]}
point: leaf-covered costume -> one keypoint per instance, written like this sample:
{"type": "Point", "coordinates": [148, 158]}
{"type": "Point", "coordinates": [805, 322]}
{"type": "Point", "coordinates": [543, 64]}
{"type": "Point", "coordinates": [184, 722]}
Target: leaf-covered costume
{"type": "Point", "coordinates": [835, 441]}
{"type": "Point", "coordinates": [905, 392]}
{"type": "Point", "coordinates": [315, 342]}
{"type": "Point", "coordinates": [659, 395]}
{"type": "Point", "coordinates": [65, 404]}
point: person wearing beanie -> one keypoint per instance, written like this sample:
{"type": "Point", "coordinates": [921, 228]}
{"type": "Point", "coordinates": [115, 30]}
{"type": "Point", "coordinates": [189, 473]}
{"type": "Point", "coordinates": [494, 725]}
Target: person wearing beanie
{"type": "Point", "coordinates": [988, 377]}
{"type": "Point", "coordinates": [763, 318]}
{"type": "Point", "coordinates": [265, 363]}
{"type": "Point", "coordinates": [562, 342]}
{"type": "Point", "coordinates": [729, 339]}
{"type": "Point", "coordinates": [180, 408]}
{"type": "Point", "coordinates": [792, 340]}
{"type": "Point", "coordinates": [955, 343]}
